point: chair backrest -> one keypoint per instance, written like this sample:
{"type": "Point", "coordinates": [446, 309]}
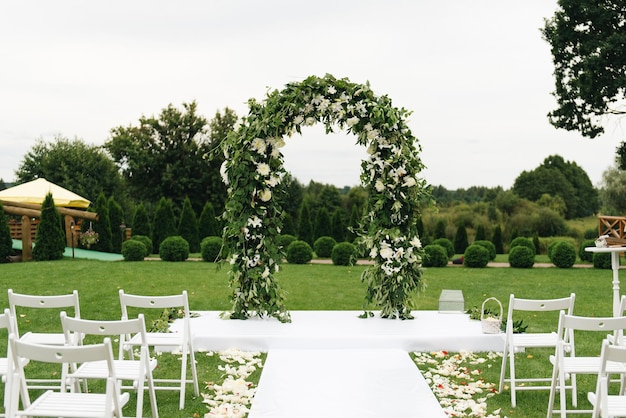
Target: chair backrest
{"type": "Point", "coordinates": [570, 323]}
{"type": "Point", "coordinates": [543, 305]}
{"type": "Point", "coordinates": [156, 302]}
{"type": "Point", "coordinates": [43, 302]}
{"type": "Point", "coordinates": [7, 322]}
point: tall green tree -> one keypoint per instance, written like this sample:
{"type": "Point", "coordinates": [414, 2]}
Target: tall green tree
{"type": "Point", "coordinates": [208, 225]}
{"type": "Point", "coordinates": [613, 192]}
{"type": "Point", "coordinates": [480, 233]}
{"type": "Point", "coordinates": [116, 219]}
{"type": "Point", "coordinates": [164, 224]}
{"type": "Point", "coordinates": [170, 155]}
{"type": "Point", "coordinates": [497, 239]}
{"type": "Point", "coordinates": [587, 39]}
{"type": "Point", "coordinates": [6, 243]}
{"type": "Point", "coordinates": [141, 222]}
{"type": "Point", "coordinates": [460, 239]}
{"type": "Point", "coordinates": [50, 237]}
{"type": "Point", "coordinates": [305, 226]}
{"type": "Point", "coordinates": [85, 169]}
{"type": "Point", "coordinates": [338, 226]}
{"type": "Point", "coordinates": [188, 226]}
{"type": "Point", "coordinates": [440, 229]}
{"type": "Point", "coordinates": [103, 226]}
{"type": "Point", "coordinates": [322, 224]}
{"type": "Point", "coordinates": [353, 224]}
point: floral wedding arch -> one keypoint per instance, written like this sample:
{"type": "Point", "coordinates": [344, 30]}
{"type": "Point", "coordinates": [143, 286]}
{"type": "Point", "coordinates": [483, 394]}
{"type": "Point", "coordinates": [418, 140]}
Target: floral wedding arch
{"type": "Point", "coordinates": [254, 169]}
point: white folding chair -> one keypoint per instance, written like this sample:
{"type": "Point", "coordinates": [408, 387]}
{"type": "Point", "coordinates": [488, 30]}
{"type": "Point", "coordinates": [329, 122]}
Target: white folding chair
{"type": "Point", "coordinates": [7, 323]}
{"type": "Point", "coordinates": [167, 340]}
{"type": "Point", "coordinates": [604, 404]}
{"type": "Point", "coordinates": [520, 342]}
{"type": "Point", "coordinates": [62, 403]}
{"type": "Point", "coordinates": [54, 303]}
{"type": "Point", "coordinates": [139, 372]}
{"type": "Point", "coordinates": [565, 366]}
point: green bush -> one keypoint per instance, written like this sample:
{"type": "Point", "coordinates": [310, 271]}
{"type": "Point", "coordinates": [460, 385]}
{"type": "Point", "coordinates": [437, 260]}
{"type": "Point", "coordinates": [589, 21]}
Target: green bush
{"type": "Point", "coordinates": [550, 249]}
{"type": "Point", "coordinates": [324, 246]}
{"type": "Point", "coordinates": [284, 240]}
{"type": "Point", "coordinates": [447, 244]}
{"type": "Point", "coordinates": [522, 256]}
{"type": "Point", "coordinates": [145, 240]}
{"type": "Point", "coordinates": [344, 254]}
{"type": "Point", "coordinates": [489, 246]}
{"type": "Point", "coordinates": [6, 243]}
{"type": "Point", "coordinates": [174, 248]}
{"type": "Point", "coordinates": [523, 241]}
{"type": "Point", "coordinates": [210, 248]}
{"type": "Point", "coordinates": [50, 239]}
{"type": "Point", "coordinates": [299, 252]}
{"type": "Point", "coordinates": [435, 256]}
{"type": "Point", "coordinates": [134, 250]}
{"type": "Point", "coordinates": [586, 255]}
{"type": "Point", "coordinates": [476, 255]}
{"type": "Point", "coordinates": [564, 254]}
{"type": "Point", "coordinates": [602, 260]}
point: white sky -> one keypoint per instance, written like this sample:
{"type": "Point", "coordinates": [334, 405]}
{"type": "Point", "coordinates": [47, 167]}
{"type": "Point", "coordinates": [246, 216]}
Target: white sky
{"type": "Point", "coordinates": [476, 73]}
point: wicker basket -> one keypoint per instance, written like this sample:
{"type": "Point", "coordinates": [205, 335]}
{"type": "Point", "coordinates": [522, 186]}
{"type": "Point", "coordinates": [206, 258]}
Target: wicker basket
{"type": "Point", "coordinates": [490, 325]}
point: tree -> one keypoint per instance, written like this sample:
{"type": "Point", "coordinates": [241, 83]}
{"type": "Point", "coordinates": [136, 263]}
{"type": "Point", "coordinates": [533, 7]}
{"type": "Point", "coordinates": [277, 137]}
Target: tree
{"type": "Point", "coordinates": [497, 240]}
{"type": "Point", "coordinates": [440, 229]}
{"type": "Point", "coordinates": [587, 41]}
{"type": "Point", "coordinates": [338, 226]}
{"type": "Point", "coordinates": [208, 226]}
{"type": "Point", "coordinates": [557, 177]}
{"type": "Point", "coordinates": [188, 226]}
{"type": "Point", "coordinates": [460, 240]}
{"type": "Point", "coordinates": [353, 224]}
{"type": "Point", "coordinates": [171, 155]}
{"type": "Point", "coordinates": [103, 226]}
{"type": "Point", "coordinates": [480, 233]}
{"type": "Point", "coordinates": [141, 222]}
{"type": "Point", "coordinates": [305, 226]}
{"type": "Point", "coordinates": [6, 243]}
{"type": "Point", "coordinates": [322, 224]}
{"type": "Point", "coordinates": [164, 223]}
{"type": "Point", "coordinates": [86, 170]}
{"type": "Point", "coordinates": [116, 219]}
{"type": "Point", "coordinates": [50, 238]}
{"type": "Point", "coordinates": [613, 191]}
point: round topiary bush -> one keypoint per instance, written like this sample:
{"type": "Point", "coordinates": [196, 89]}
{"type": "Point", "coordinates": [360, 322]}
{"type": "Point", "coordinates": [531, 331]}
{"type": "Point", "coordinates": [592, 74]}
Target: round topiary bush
{"type": "Point", "coordinates": [489, 246]}
{"type": "Point", "coordinates": [210, 248]}
{"type": "Point", "coordinates": [447, 244]}
{"type": "Point", "coordinates": [435, 256]}
{"type": "Point", "coordinates": [344, 254]}
{"type": "Point", "coordinates": [586, 255]}
{"type": "Point", "coordinates": [299, 252]}
{"type": "Point", "coordinates": [324, 246]}
{"type": "Point", "coordinates": [133, 250]}
{"type": "Point", "coordinates": [522, 256]}
{"type": "Point", "coordinates": [563, 254]}
{"type": "Point", "coordinates": [602, 260]}
{"type": "Point", "coordinates": [174, 248]}
{"type": "Point", "coordinates": [525, 242]}
{"type": "Point", "coordinates": [284, 240]}
{"type": "Point", "coordinates": [476, 255]}
{"type": "Point", "coordinates": [145, 240]}
{"type": "Point", "coordinates": [550, 249]}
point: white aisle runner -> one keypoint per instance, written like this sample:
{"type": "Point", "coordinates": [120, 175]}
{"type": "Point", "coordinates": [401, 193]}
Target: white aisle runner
{"type": "Point", "coordinates": [350, 383]}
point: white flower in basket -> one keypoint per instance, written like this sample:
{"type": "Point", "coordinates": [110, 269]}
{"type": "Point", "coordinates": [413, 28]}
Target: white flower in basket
{"type": "Point", "coordinates": [490, 324]}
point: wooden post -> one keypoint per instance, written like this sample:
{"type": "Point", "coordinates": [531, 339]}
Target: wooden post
{"type": "Point", "coordinates": [69, 231]}
{"type": "Point", "coordinates": [27, 242]}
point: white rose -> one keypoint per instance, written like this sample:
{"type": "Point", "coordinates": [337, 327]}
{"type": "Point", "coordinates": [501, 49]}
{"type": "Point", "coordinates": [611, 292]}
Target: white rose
{"type": "Point", "coordinates": [386, 253]}
{"type": "Point", "coordinates": [352, 121]}
{"type": "Point", "coordinates": [258, 144]}
{"type": "Point", "coordinates": [223, 173]}
{"type": "Point", "coordinates": [263, 169]}
{"type": "Point", "coordinates": [379, 185]}
{"type": "Point", "coordinates": [298, 120]}
{"type": "Point", "coordinates": [409, 182]}
{"type": "Point", "coordinates": [265, 195]}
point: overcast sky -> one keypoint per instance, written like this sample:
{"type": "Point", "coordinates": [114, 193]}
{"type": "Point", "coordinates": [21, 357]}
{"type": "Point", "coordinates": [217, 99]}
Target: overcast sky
{"type": "Point", "coordinates": [476, 74]}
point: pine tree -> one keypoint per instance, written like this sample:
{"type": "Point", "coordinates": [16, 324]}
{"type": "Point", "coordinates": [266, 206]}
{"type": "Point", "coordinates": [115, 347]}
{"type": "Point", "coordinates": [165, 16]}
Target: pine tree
{"type": "Point", "coordinates": [116, 218]}
{"type": "Point", "coordinates": [288, 225]}
{"type": "Point", "coordinates": [102, 226]}
{"type": "Point", "coordinates": [50, 238]}
{"type": "Point", "coordinates": [338, 226]}
{"type": "Point", "coordinates": [460, 240]}
{"type": "Point", "coordinates": [497, 240]}
{"type": "Point", "coordinates": [440, 229]}
{"type": "Point", "coordinates": [305, 227]}
{"type": "Point", "coordinates": [141, 222]}
{"type": "Point", "coordinates": [208, 225]}
{"type": "Point", "coordinates": [353, 224]}
{"type": "Point", "coordinates": [6, 243]}
{"type": "Point", "coordinates": [164, 223]}
{"type": "Point", "coordinates": [480, 233]}
{"type": "Point", "coordinates": [322, 224]}
{"type": "Point", "coordinates": [188, 226]}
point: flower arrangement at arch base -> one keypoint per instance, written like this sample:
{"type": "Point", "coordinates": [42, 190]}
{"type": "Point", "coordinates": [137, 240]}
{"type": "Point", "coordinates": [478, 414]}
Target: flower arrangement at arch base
{"type": "Point", "coordinates": [253, 171]}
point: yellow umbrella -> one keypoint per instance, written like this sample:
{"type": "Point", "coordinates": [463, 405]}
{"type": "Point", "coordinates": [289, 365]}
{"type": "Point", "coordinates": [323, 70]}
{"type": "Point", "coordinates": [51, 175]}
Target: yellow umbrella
{"type": "Point", "coordinates": [35, 192]}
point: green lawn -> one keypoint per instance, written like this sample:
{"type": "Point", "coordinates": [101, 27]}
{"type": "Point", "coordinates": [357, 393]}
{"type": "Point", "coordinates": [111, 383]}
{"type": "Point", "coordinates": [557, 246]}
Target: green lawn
{"type": "Point", "coordinates": [313, 287]}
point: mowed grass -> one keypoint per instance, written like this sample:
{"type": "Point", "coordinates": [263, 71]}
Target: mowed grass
{"type": "Point", "coordinates": [308, 287]}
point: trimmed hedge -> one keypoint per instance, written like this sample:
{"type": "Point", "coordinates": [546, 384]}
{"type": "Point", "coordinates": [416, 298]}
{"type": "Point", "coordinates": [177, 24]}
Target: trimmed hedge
{"type": "Point", "coordinates": [344, 254]}
{"type": "Point", "coordinates": [145, 240]}
{"type": "Point", "coordinates": [174, 248]}
{"type": "Point", "coordinates": [525, 242]}
{"type": "Point", "coordinates": [284, 240]}
{"type": "Point", "coordinates": [447, 244]}
{"type": "Point", "coordinates": [323, 246]}
{"type": "Point", "coordinates": [602, 260]}
{"type": "Point", "coordinates": [476, 255]}
{"type": "Point", "coordinates": [563, 254]}
{"type": "Point", "coordinates": [586, 255]}
{"type": "Point", "coordinates": [133, 250]}
{"type": "Point", "coordinates": [435, 256]}
{"type": "Point", "coordinates": [522, 256]}
{"type": "Point", "coordinates": [489, 246]}
{"type": "Point", "coordinates": [210, 248]}
{"type": "Point", "coordinates": [299, 252]}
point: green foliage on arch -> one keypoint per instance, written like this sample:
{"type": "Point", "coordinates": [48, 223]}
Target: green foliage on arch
{"type": "Point", "coordinates": [253, 171]}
